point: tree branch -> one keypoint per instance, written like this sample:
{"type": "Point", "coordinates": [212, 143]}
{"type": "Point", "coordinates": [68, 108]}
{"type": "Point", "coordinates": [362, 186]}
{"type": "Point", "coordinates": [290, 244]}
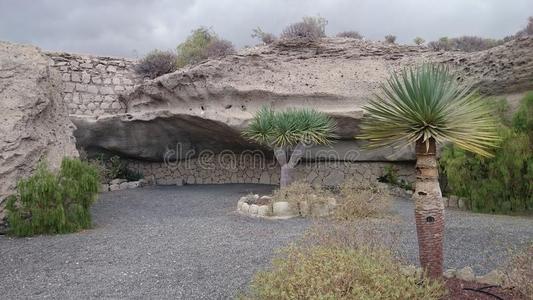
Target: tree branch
{"type": "Point", "coordinates": [297, 154]}
{"type": "Point", "coordinates": [281, 155]}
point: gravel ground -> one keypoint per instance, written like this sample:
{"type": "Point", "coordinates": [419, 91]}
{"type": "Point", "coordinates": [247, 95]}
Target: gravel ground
{"type": "Point", "coordinates": [187, 243]}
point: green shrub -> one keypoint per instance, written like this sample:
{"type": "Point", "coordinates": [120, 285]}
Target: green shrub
{"type": "Point", "coordinates": [48, 203]}
{"type": "Point", "coordinates": [157, 63]}
{"type": "Point", "coordinates": [200, 45]}
{"type": "Point", "coordinates": [340, 273]}
{"type": "Point", "coordinates": [504, 183]}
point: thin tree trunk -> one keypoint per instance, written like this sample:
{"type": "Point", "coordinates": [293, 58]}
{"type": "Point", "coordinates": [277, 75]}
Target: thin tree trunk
{"type": "Point", "coordinates": [429, 209]}
{"type": "Point", "coordinates": [286, 175]}
{"type": "Point", "coordinates": [288, 166]}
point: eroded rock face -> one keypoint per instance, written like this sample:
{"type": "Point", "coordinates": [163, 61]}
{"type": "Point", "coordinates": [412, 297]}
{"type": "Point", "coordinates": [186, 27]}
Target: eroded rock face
{"type": "Point", "coordinates": [34, 120]}
{"type": "Point", "coordinates": [217, 98]}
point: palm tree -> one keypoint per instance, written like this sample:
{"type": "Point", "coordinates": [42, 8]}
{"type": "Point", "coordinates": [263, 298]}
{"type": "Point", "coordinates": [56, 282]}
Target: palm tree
{"type": "Point", "coordinates": [426, 106]}
{"type": "Point", "coordinates": [288, 133]}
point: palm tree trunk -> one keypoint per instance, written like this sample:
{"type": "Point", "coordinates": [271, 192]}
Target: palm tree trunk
{"type": "Point", "coordinates": [429, 209]}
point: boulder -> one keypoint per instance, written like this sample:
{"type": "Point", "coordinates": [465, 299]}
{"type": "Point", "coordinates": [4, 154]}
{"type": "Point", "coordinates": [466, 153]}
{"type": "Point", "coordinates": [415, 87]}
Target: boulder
{"type": "Point", "coordinates": [34, 121]}
{"type": "Point", "coordinates": [466, 274]}
{"type": "Point", "coordinates": [494, 277]}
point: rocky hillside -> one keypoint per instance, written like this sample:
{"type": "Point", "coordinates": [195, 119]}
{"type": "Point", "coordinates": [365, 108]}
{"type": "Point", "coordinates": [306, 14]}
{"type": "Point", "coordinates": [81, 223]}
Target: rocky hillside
{"type": "Point", "coordinates": [334, 75]}
{"type": "Point", "coordinates": [34, 120]}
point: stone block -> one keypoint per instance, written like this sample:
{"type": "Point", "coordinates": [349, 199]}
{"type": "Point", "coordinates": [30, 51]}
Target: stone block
{"type": "Point", "coordinates": [245, 207]}
{"type": "Point", "coordinates": [106, 90]}
{"type": "Point", "coordinates": [114, 187]}
{"type": "Point", "coordinates": [450, 273]}
{"type": "Point", "coordinates": [76, 77]}
{"type": "Point", "coordinates": [124, 185]}
{"type": "Point", "coordinates": [133, 184]}
{"type": "Point", "coordinates": [466, 274]}
{"type": "Point", "coordinates": [263, 210]}
{"type": "Point", "coordinates": [253, 209]}
{"type": "Point", "coordinates": [85, 77]}
{"type": "Point", "coordinates": [117, 181]}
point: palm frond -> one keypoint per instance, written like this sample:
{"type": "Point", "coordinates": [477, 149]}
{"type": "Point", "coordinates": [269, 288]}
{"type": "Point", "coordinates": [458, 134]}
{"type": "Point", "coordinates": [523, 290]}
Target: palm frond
{"type": "Point", "coordinates": [428, 102]}
{"type": "Point", "coordinates": [290, 127]}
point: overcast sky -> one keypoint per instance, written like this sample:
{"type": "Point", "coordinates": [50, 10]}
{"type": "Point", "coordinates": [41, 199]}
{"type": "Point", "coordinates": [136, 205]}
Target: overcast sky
{"type": "Point", "coordinates": [133, 27]}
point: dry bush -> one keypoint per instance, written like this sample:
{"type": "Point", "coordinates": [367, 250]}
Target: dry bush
{"type": "Point", "coordinates": [342, 260]}
{"type": "Point", "coordinates": [350, 34]}
{"type": "Point", "coordinates": [528, 30]}
{"type": "Point", "coordinates": [311, 28]}
{"type": "Point", "coordinates": [303, 195]}
{"type": "Point", "coordinates": [419, 41]}
{"type": "Point", "coordinates": [265, 37]}
{"type": "Point", "coordinates": [519, 273]}
{"type": "Point", "coordinates": [464, 43]}
{"type": "Point", "coordinates": [157, 63]}
{"type": "Point", "coordinates": [391, 39]}
{"type": "Point", "coordinates": [362, 201]}
{"type": "Point", "coordinates": [219, 47]}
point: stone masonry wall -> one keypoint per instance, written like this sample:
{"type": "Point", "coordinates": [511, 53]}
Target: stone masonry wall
{"type": "Point", "coordinates": [198, 171]}
{"type": "Point", "coordinates": [92, 84]}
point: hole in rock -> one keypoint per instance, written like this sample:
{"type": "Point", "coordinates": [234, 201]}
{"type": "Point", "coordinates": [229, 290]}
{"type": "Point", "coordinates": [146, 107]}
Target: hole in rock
{"type": "Point", "coordinates": [422, 193]}
{"type": "Point", "coordinates": [202, 107]}
{"type": "Point", "coordinates": [430, 219]}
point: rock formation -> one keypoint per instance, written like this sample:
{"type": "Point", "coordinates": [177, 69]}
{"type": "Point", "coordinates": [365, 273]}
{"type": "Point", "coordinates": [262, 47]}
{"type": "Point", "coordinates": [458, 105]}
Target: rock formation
{"type": "Point", "coordinates": [333, 75]}
{"type": "Point", "coordinates": [34, 120]}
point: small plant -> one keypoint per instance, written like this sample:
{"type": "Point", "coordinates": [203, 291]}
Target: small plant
{"type": "Point", "coordinates": [321, 272]}
{"type": "Point", "coordinates": [200, 45]}
{"type": "Point", "coordinates": [303, 195]}
{"type": "Point", "coordinates": [310, 27]}
{"type": "Point", "coordinates": [362, 201]}
{"type": "Point", "coordinates": [265, 37]}
{"type": "Point", "coordinates": [288, 133]}
{"type": "Point", "coordinates": [157, 63]}
{"type": "Point", "coordinates": [528, 30]}
{"type": "Point", "coordinates": [391, 39]}
{"type": "Point", "coordinates": [390, 176]}
{"type": "Point", "coordinates": [219, 48]}
{"type": "Point", "coordinates": [350, 34]}
{"type": "Point", "coordinates": [49, 203]}
{"type": "Point", "coordinates": [464, 43]}
{"type": "Point", "coordinates": [114, 168]}
{"type": "Point", "coordinates": [419, 41]}
{"type": "Point", "coordinates": [519, 273]}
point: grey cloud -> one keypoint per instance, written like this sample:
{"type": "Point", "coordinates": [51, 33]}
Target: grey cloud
{"type": "Point", "coordinates": [133, 27]}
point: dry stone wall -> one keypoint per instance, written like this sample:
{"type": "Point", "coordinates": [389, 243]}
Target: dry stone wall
{"type": "Point", "coordinates": [199, 171]}
{"type": "Point", "coordinates": [92, 84]}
